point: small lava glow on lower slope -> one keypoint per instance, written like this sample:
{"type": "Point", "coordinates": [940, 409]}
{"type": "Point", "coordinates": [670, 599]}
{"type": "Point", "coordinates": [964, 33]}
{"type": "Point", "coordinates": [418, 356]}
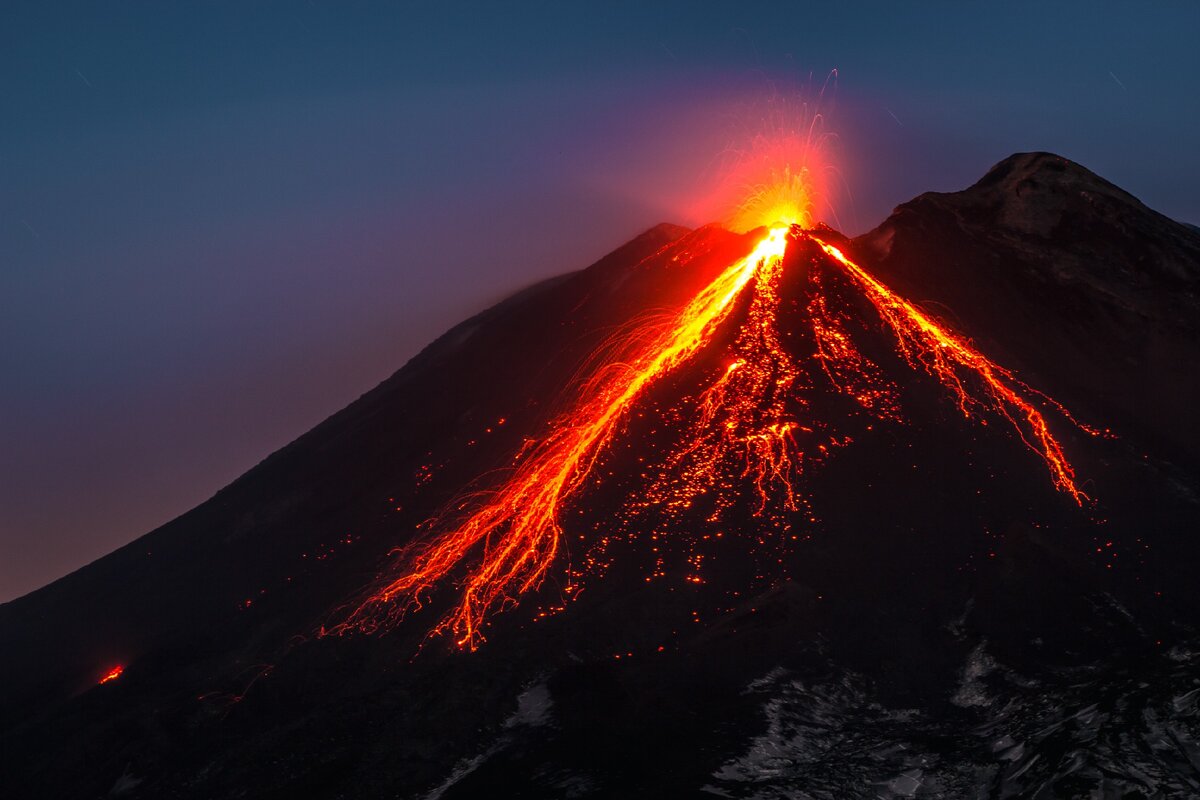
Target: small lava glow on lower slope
{"type": "Point", "coordinates": [749, 433]}
{"type": "Point", "coordinates": [112, 674]}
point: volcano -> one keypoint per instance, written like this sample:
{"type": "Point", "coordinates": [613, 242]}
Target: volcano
{"type": "Point", "coordinates": [770, 514]}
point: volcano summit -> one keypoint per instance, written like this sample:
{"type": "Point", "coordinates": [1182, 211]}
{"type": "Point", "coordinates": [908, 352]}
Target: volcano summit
{"type": "Point", "coordinates": [773, 514]}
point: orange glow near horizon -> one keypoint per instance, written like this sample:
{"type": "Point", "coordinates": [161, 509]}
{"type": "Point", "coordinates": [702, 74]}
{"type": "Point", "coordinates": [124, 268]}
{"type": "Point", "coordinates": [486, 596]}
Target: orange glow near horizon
{"type": "Point", "coordinates": [112, 674]}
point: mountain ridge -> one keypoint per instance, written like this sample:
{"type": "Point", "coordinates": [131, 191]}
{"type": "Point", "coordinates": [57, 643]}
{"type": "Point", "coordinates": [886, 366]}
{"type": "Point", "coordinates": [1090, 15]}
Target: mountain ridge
{"type": "Point", "coordinates": [1045, 307]}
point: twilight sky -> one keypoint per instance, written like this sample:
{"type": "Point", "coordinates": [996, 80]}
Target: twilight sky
{"type": "Point", "coordinates": [220, 224]}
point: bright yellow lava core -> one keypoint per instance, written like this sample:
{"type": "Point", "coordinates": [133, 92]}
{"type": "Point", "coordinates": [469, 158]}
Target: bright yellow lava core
{"type": "Point", "coordinates": [787, 198]}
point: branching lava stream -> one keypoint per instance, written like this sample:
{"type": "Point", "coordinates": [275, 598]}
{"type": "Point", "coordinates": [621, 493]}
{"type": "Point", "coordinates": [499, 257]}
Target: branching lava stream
{"type": "Point", "coordinates": [510, 537]}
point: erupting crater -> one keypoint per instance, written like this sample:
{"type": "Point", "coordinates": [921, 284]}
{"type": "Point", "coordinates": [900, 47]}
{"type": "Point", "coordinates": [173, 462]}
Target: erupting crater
{"type": "Point", "coordinates": [749, 433]}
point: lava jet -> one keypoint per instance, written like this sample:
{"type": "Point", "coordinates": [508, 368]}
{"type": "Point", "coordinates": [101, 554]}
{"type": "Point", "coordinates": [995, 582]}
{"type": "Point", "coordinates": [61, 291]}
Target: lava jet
{"type": "Point", "coordinates": [742, 513]}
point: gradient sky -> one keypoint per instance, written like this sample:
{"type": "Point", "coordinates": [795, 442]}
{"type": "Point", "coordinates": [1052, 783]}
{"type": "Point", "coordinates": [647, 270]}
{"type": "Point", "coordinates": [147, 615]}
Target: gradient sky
{"type": "Point", "coordinates": [220, 224]}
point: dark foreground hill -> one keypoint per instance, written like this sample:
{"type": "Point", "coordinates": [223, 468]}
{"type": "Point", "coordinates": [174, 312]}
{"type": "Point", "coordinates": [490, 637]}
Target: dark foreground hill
{"type": "Point", "coordinates": [935, 620]}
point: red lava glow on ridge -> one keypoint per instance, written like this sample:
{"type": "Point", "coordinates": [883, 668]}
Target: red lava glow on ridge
{"type": "Point", "coordinates": [112, 674]}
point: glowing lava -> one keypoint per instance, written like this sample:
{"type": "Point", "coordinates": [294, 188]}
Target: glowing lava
{"type": "Point", "coordinates": [516, 529]}
{"type": "Point", "coordinates": [953, 361]}
{"type": "Point", "coordinates": [746, 416]}
{"type": "Point", "coordinates": [743, 434]}
{"type": "Point", "coordinates": [112, 674]}
{"type": "Point", "coordinates": [786, 197]}
{"type": "Point", "coordinates": [779, 167]}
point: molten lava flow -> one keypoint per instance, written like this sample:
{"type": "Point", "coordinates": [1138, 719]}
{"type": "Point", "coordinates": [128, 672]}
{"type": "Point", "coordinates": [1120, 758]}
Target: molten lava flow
{"type": "Point", "coordinates": [113, 674]}
{"type": "Point", "coordinates": [849, 371]}
{"type": "Point", "coordinates": [749, 432]}
{"type": "Point", "coordinates": [744, 416]}
{"type": "Point", "coordinates": [953, 361]}
{"type": "Point", "coordinates": [514, 534]}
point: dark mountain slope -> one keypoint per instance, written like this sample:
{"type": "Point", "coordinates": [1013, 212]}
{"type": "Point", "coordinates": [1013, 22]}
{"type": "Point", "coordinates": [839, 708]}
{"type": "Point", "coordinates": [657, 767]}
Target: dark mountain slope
{"type": "Point", "coordinates": [1050, 266]}
{"type": "Point", "coordinates": [187, 582]}
{"type": "Point", "coordinates": [934, 618]}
